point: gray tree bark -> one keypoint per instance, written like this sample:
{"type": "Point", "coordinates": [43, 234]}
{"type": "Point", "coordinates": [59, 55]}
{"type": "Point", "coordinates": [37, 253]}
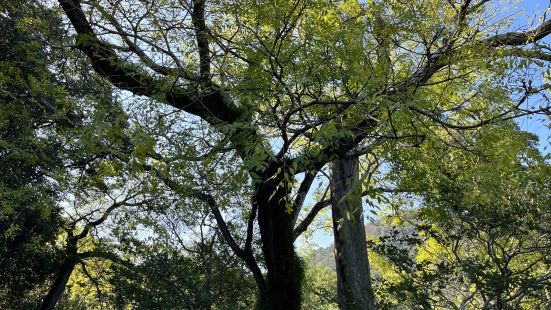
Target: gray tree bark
{"type": "Point", "coordinates": [354, 288]}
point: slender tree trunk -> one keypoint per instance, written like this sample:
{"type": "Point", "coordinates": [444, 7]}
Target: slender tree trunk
{"type": "Point", "coordinates": [57, 288]}
{"type": "Point", "coordinates": [354, 288]}
{"type": "Point", "coordinates": [283, 290]}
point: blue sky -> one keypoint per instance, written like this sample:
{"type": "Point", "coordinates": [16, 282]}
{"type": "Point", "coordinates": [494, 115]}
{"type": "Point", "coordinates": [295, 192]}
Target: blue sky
{"type": "Point", "coordinates": [531, 9]}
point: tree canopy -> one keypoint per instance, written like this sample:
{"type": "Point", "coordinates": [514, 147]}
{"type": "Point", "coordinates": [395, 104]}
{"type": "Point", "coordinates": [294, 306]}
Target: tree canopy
{"type": "Point", "coordinates": [168, 154]}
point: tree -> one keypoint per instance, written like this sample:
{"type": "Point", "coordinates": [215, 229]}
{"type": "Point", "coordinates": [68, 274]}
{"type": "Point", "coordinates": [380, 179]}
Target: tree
{"type": "Point", "coordinates": [348, 245]}
{"type": "Point", "coordinates": [319, 285]}
{"type": "Point", "coordinates": [51, 149]}
{"type": "Point", "coordinates": [34, 118]}
{"type": "Point", "coordinates": [276, 80]}
{"type": "Point", "coordinates": [478, 238]}
{"type": "Point", "coordinates": [353, 275]}
{"type": "Point", "coordinates": [179, 272]}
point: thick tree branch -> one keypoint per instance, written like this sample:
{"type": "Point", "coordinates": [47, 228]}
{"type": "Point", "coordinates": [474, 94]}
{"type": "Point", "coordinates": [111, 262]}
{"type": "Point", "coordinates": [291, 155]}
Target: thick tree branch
{"type": "Point", "coordinates": [208, 103]}
{"type": "Point", "coordinates": [519, 38]}
{"type": "Point", "coordinates": [201, 34]}
{"type": "Point", "coordinates": [441, 58]}
{"type": "Point", "coordinates": [203, 99]}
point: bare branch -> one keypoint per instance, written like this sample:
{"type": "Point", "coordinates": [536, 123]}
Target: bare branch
{"type": "Point", "coordinates": [302, 192]}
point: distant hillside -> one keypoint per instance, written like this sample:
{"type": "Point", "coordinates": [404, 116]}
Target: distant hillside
{"type": "Point", "coordinates": [325, 255]}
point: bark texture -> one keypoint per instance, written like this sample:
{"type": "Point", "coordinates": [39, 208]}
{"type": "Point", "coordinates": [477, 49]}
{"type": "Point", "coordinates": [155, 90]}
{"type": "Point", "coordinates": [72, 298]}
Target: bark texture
{"type": "Point", "coordinates": [284, 277]}
{"type": "Point", "coordinates": [353, 273]}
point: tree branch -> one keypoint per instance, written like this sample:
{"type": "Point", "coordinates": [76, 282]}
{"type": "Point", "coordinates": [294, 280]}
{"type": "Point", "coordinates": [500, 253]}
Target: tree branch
{"type": "Point", "coordinates": [210, 104]}
{"type": "Point", "coordinates": [105, 255]}
{"type": "Point", "coordinates": [440, 58]}
{"type": "Point", "coordinates": [303, 189]}
{"type": "Point", "coordinates": [531, 54]}
{"type": "Point", "coordinates": [164, 70]}
{"type": "Point", "coordinates": [245, 255]}
{"type": "Point", "coordinates": [201, 34]}
{"type": "Point", "coordinates": [310, 217]}
{"type": "Point", "coordinates": [320, 205]}
{"type": "Point", "coordinates": [519, 38]}
{"type": "Point", "coordinates": [250, 228]}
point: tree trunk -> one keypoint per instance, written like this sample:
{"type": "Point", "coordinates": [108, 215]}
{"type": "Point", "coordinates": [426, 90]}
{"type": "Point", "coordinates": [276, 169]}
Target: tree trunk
{"type": "Point", "coordinates": [283, 290]}
{"type": "Point", "coordinates": [57, 288]}
{"type": "Point", "coordinates": [354, 288]}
